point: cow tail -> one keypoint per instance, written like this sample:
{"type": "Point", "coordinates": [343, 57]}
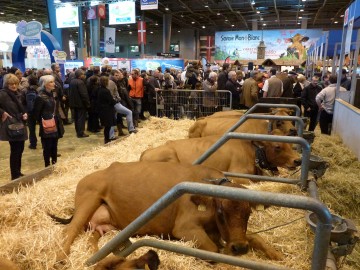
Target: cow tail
{"type": "Point", "coordinates": [61, 220]}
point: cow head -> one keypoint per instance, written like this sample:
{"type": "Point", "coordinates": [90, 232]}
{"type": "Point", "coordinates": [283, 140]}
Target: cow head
{"type": "Point", "coordinates": [299, 38]}
{"type": "Point", "coordinates": [231, 218]}
{"type": "Point", "coordinates": [286, 127]}
{"type": "Point", "coordinates": [279, 154]}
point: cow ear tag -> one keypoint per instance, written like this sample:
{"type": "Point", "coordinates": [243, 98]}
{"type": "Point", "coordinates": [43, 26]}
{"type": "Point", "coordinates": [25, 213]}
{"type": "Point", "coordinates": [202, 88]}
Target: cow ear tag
{"type": "Point", "coordinates": [202, 207]}
{"type": "Point", "coordinates": [146, 267]}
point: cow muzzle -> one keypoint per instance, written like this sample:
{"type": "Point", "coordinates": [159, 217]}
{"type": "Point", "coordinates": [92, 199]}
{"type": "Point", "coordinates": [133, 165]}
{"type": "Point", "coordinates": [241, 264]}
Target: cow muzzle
{"type": "Point", "coordinates": [239, 248]}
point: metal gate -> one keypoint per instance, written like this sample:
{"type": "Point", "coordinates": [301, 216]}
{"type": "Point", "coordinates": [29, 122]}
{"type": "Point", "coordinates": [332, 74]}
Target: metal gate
{"type": "Point", "coordinates": [185, 103]}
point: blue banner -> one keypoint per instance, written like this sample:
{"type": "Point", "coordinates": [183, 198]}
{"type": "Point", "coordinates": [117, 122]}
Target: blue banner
{"type": "Point", "coordinates": [152, 64]}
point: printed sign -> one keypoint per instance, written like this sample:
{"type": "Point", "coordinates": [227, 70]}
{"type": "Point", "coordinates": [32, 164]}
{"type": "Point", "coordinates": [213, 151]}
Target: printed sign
{"type": "Point", "coordinates": [152, 64]}
{"type": "Point", "coordinates": [60, 56]}
{"type": "Point", "coordinates": [149, 4]}
{"type": "Point", "coordinates": [67, 16]}
{"type": "Point", "coordinates": [29, 33]}
{"type": "Point", "coordinates": [109, 40]}
{"type": "Point", "coordinates": [122, 12]}
{"type": "Point", "coordinates": [280, 44]}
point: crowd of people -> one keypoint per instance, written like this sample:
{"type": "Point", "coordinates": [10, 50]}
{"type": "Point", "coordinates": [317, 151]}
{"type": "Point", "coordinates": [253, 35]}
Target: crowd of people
{"type": "Point", "coordinates": [103, 96]}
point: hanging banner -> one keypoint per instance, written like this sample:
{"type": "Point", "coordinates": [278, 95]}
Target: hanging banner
{"type": "Point", "coordinates": [91, 13]}
{"type": "Point", "coordinates": [286, 44]}
{"type": "Point", "coordinates": [210, 41]}
{"type": "Point", "coordinates": [149, 4]}
{"type": "Point", "coordinates": [109, 40]}
{"type": "Point", "coordinates": [101, 11]}
{"type": "Point", "coordinates": [29, 33]}
{"type": "Point", "coordinates": [141, 32]}
{"type": "Point", "coordinates": [122, 12]}
{"type": "Point", "coordinates": [349, 35]}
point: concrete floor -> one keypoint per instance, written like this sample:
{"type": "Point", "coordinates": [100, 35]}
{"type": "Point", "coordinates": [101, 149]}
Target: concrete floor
{"type": "Point", "coordinates": [32, 160]}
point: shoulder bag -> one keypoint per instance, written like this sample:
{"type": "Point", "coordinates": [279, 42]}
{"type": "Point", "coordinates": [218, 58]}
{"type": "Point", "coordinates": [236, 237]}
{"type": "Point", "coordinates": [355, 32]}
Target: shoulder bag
{"type": "Point", "coordinates": [49, 125]}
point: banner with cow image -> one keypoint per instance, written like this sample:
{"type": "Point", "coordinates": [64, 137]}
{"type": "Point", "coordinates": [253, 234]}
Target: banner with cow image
{"type": "Point", "coordinates": [289, 44]}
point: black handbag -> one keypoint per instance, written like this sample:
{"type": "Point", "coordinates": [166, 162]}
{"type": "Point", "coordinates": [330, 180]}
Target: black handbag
{"type": "Point", "coordinates": [15, 130]}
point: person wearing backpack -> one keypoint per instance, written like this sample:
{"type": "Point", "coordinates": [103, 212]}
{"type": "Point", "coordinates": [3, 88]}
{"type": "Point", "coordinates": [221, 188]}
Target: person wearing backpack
{"type": "Point", "coordinates": [30, 96]}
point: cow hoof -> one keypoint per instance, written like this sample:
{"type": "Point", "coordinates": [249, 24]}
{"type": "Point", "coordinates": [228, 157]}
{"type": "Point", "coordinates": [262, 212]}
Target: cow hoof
{"type": "Point", "coordinates": [275, 255]}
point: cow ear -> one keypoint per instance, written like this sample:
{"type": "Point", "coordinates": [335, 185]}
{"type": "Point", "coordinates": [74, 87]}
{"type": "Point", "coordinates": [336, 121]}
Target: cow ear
{"type": "Point", "coordinates": [258, 144]}
{"type": "Point", "coordinates": [200, 200]}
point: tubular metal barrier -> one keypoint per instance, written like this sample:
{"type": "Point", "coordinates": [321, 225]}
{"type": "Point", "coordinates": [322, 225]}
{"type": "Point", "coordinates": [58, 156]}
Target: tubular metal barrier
{"type": "Point", "coordinates": [298, 120]}
{"type": "Point", "coordinates": [322, 233]}
{"type": "Point", "coordinates": [185, 103]}
{"type": "Point", "coordinates": [268, 105]}
{"type": "Point", "coordinates": [262, 137]}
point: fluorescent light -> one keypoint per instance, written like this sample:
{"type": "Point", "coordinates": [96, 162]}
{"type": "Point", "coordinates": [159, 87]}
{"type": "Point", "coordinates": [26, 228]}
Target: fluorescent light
{"type": "Point", "coordinates": [29, 9]}
{"type": "Point", "coordinates": [300, 17]}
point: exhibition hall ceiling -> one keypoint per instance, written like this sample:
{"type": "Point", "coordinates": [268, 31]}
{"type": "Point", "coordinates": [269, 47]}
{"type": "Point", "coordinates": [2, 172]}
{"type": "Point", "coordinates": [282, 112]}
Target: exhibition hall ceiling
{"type": "Point", "coordinates": [209, 16]}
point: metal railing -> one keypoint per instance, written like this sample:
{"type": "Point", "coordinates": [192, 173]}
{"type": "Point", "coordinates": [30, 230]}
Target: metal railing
{"type": "Point", "coordinates": [262, 137]}
{"type": "Point", "coordinates": [185, 103]}
{"type": "Point", "coordinates": [322, 233]}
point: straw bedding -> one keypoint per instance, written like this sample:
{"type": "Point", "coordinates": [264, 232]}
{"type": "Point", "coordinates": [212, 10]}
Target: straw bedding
{"type": "Point", "coordinates": [30, 238]}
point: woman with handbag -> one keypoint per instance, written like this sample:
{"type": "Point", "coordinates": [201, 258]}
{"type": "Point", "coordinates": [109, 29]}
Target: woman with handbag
{"type": "Point", "coordinates": [46, 113]}
{"type": "Point", "coordinates": [12, 128]}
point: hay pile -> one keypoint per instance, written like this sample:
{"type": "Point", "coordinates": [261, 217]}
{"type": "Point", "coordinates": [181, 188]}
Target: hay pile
{"type": "Point", "coordinates": [30, 238]}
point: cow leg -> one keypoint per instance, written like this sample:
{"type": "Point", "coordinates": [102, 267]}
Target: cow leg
{"type": "Point", "coordinates": [257, 242]}
{"type": "Point", "coordinates": [189, 226]}
{"type": "Point", "coordinates": [82, 215]}
{"type": "Point", "coordinates": [94, 240]}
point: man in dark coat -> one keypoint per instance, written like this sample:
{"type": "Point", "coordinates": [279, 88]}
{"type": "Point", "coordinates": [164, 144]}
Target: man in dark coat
{"type": "Point", "coordinates": [223, 76]}
{"type": "Point", "coordinates": [308, 96]}
{"type": "Point", "coordinates": [235, 89]}
{"type": "Point", "coordinates": [79, 101]}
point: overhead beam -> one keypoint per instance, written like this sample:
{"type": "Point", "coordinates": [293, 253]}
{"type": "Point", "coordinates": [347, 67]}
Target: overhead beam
{"type": "Point", "coordinates": [318, 12]}
{"type": "Point", "coordinates": [277, 13]}
{"type": "Point", "coordinates": [237, 13]}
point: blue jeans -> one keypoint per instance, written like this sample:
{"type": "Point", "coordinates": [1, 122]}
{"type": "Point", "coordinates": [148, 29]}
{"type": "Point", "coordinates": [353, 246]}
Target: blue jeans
{"type": "Point", "coordinates": [119, 108]}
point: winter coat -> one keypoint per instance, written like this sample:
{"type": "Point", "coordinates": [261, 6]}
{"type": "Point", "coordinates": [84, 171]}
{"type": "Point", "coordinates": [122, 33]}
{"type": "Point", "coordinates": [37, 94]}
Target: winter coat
{"type": "Point", "coordinates": [44, 108]}
{"type": "Point", "coordinates": [105, 107]}
{"type": "Point", "coordinates": [10, 103]}
{"type": "Point", "coordinates": [78, 95]}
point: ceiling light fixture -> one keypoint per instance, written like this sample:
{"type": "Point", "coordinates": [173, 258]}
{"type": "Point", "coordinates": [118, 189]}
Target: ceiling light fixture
{"type": "Point", "coordinates": [298, 23]}
{"type": "Point", "coordinates": [203, 26]}
{"type": "Point", "coordinates": [167, 9]}
{"type": "Point", "coordinates": [258, 12]}
{"type": "Point", "coordinates": [301, 10]}
{"type": "Point", "coordinates": [342, 15]}
{"type": "Point", "coordinates": [336, 22]}
{"type": "Point", "coordinates": [252, 2]}
{"type": "Point", "coordinates": [2, 13]}
{"type": "Point", "coordinates": [264, 24]}
{"type": "Point", "coordinates": [156, 24]}
{"type": "Point", "coordinates": [261, 19]}
{"type": "Point", "coordinates": [218, 14]}
{"type": "Point", "coordinates": [151, 32]}
{"type": "Point", "coordinates": [130, 33]}
{"type": "Point", "coordinates": [179, 31]}
{"type": "Point", "coordinates": [206, 6]}
{"type": "Point", "coordinates": [29, 9]}
{"type": "Point", "coordinates": [300, 17]}
{"type": "Point", "coordinates": [193, 22]}
{"type": "Point", "coordinates": [232, 25]}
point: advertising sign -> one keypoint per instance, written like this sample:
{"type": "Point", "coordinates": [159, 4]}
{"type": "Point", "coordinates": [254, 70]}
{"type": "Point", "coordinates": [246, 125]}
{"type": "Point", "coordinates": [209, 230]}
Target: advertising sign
{"type": "Point", "coordinates": [280, 44]}
{"type": "Point", "coordinates": [122, 12]}
{"type": "Point", "coordinates": [60, 56]}
{"type": "Point", "coordinates": [149, 4]}
{"type": "Point", "coordinates": [67, 16]}
{"type": "Point", "coordinates": [70, 65]}
{"type": "Point", "coordinates": [152, 64]}
{"type": "Point", "coordinates": [109, 40]}
{"type": "Point", "coordinates": [349, 35]}
{"type": "Point", "coordinates": [29, 33]}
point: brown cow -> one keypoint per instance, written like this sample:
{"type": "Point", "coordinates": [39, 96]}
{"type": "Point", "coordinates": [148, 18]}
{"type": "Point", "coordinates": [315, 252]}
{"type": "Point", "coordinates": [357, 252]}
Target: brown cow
{"type": "Point", "coordinates": [297, 48]}
{"type": "Point", "coordinates": [213, 126]}
{"type": "Point", "coordinates": [128, 189]}
{"type": "Point", "coordinates": [6, 264]}
{"type": "Point", "coordinates": [234, 156]}
{"type": "Point", "coordinates": [149, 261]}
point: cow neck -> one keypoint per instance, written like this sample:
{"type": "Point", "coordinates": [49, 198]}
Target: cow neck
{"type": "Point", "coordinates": [262, 165]}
